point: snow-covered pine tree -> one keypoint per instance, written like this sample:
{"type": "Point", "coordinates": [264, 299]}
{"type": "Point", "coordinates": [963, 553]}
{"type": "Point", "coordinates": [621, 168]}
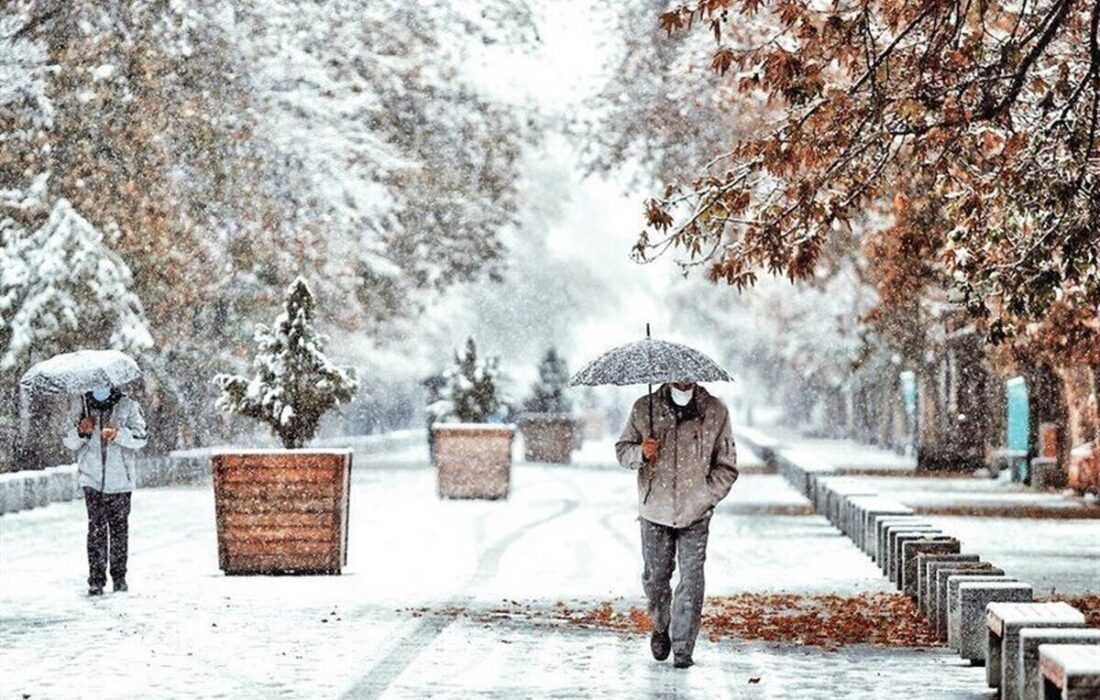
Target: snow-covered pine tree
{"type": "Point", "coordinates": [295, 382]}
{"type": "Point", "coordinates": [63, 288]}
{"type": "Point", "coordinates": [548, 393]}
{"type": "Point", "coordinates": [472, 387]}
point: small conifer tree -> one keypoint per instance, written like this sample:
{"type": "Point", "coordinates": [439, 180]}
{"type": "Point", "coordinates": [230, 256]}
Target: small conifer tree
{"type": "Point", "coordinates": [548, 394]}
{"type": "Point", "coordinates": [295, 383]}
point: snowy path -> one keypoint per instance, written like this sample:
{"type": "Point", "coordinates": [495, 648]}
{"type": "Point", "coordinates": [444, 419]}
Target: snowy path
{"type": "Point", "coordinates": [566, 533]}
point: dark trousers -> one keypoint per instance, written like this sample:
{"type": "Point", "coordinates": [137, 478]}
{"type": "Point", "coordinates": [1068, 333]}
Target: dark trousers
{"type": "Point", "coordinates": [677, 614]}
{"type": "Point", "coordinates": [108, 532]}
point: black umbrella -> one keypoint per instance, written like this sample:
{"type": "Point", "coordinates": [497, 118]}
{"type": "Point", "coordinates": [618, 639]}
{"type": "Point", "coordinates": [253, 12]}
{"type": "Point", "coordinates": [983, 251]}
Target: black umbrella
{"type": "Point", "coordinates": [650, 362]}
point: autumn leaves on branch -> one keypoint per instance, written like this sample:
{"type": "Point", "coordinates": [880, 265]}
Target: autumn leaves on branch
{"type": "Point", "coordinates": [982, 115]}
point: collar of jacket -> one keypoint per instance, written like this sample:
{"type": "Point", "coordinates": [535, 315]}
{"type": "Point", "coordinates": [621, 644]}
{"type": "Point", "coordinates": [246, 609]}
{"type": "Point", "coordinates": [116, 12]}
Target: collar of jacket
{"type": "Point", "coordinates": [699, 398]}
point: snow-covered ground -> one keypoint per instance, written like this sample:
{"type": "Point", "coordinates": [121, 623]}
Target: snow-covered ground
{"type": "Point", "coordinates": [566, 533]}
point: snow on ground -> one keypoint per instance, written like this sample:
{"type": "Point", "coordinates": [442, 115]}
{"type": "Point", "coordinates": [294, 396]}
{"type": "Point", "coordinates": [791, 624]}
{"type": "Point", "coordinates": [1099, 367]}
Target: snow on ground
{"type": "Point", "coordinates": [1054, 556]}
{"type": "Point", "coordinates": [566, 533]}
{"type": "Point", "coordinates": [845, 454]}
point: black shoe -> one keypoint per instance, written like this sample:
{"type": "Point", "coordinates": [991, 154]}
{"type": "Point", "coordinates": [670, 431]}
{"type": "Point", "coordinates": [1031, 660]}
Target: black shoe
{"type": "Point", "coordinates": [120, 585]}
{"type": "Point", "coordinates": [660, 645]}
{"type": "Point", "coordinates": [95, 590]}
{"type": "Point", "coordinates": [682, 661]}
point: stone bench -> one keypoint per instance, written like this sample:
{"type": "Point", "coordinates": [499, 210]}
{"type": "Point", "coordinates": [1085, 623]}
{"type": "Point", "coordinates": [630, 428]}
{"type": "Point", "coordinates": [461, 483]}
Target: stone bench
{"type": "Point", "coordinates": [1003, 624]}
{"type": "Point", "coordinates": [1006, 458]}
{"type": "Point", "coordinates": [1070, 671]}
{"type": "Point", "coordinates": [897, 541]}
{"type": "Point", "coordinates": [926, 576]}
{"type": "Point", "coordinates": [969, 618]}
{"type": "Point", "coordinates": [910, 562]}
{"type": "Point", "coordinates": [1030, 681]}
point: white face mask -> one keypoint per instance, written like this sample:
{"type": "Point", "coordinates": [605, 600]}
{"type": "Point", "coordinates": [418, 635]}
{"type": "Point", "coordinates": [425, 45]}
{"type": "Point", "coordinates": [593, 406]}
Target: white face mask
{"type": "Point", "coordinates": [682, 398]}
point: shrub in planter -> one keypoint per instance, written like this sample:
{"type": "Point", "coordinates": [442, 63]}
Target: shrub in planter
{"type": "Point", "coordinates": [472, 456]}
{"type": "Point", "coordinates": [549, 429]}
{"type": "Point", "coordinates": [285, 511]}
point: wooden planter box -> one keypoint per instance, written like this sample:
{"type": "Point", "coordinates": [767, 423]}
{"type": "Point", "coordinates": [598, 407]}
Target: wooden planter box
{"type": "Point", "coordinates": [473, 460]}
{"type": "Point", "coordinates": [282, 511]}
{"type": "Point", "coordinates": [548, 437]}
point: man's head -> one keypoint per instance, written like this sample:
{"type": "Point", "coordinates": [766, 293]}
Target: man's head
{"type": "Point", "coordinates": [682, 392]}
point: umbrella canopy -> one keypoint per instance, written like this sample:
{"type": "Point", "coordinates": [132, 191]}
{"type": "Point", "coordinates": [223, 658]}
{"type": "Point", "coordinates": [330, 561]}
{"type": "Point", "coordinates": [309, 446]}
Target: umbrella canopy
{"type": "Point", "coordinates": [650, 361]}
{"type": "Point", "coordinates": [74, 373]}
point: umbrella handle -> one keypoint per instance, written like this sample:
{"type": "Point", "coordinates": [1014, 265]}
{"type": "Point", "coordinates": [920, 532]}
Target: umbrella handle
{"type": "Point", "coordinates": [650, 394]}
{"type": "Point", "coordinates": [650, 410]}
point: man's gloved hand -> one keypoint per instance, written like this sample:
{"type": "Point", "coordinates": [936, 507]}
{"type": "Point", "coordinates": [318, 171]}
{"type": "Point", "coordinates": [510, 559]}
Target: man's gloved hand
{"type": "Point", "coordinates": [109, 432]}
{"type": "Point", "coordinates": [651, 447]}
{"type": "Point", "coordinates": [85, 427]}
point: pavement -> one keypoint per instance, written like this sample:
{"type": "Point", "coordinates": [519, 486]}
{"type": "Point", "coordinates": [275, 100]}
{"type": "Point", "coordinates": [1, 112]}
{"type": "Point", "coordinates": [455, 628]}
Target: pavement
{"type": "Point", "coordinates": [566, 533]}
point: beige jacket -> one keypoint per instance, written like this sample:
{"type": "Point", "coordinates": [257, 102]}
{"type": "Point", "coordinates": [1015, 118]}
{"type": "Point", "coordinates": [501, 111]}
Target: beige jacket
{"type": "Point", "coordinates": [697, 463]}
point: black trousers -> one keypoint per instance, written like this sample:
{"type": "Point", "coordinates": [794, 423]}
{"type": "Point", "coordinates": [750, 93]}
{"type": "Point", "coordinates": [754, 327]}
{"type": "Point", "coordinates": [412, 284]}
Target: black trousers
{"type": "Point", "coordinates": [108, 533]}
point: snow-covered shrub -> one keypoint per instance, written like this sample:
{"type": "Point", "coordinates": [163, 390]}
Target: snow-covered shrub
{"type": "Point", "coordinates": [471, 394]}
{"type": "Point", "coordinates": [295, 383]}
{"type": "Point", "coordinates": [63, 288]}
{"type": "Point", "coordinates": [548, 393]}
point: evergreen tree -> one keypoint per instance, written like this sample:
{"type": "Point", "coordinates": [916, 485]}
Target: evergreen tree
{"type": "Point", "coordinates": [472, 387]}
{"type": "Point", "coordinates": [62, 288]}
{"type": "Point", "coordinates": [295, 383]}
{"type": "Point", "coordinates": [548, 393]}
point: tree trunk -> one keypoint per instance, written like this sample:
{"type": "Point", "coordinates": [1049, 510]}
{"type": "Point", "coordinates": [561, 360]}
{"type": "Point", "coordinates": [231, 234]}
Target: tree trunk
{"type": "Point", "coordinates": [970, 423]}
{"type": "Point", "coordinates": [1047, 404]}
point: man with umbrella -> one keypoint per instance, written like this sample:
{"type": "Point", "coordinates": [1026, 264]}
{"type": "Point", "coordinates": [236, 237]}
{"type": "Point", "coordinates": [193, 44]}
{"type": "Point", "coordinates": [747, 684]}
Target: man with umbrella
{"type": "Point", "coordinates": [107, 428]}
{"type": "Point", "coordinates": [679, 441]}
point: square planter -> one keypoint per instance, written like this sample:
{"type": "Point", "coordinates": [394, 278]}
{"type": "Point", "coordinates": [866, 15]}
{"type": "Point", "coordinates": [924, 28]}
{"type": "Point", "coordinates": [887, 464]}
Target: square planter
{"type": "Point", "coordinates": [473, 460]}
{"type": "Point", "coordinates": [548, 437]}
{"type": "Point", "coordinates": [282, 511]}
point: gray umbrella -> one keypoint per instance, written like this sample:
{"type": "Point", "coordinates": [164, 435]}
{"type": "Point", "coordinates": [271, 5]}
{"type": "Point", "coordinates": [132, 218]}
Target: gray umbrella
{"type": "Point", "coordinates": [74, 373]}
{"type": "Point", "coordinates": [650, 362]}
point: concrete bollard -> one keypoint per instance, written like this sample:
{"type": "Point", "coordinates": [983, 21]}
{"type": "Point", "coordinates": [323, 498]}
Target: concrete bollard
{"type": "Point", "coordinates": [36, 489]}
{"type": "Point", "coordinates": [889, 534]}
{"type": "Point", "coordinates": [1003, 624]}
{"type": "Point", "coordinates": [934, 601]}
{"type": "Point", "coordinates": [949, 601]}
{"type": "Point", "coordinates": [869, 514]}
{"type": "Point", "coordinates": [899, 538]}
{"type": "Point", "coordinates": [910, 559]}
{"type": "Point", "coordinates": [11, 492]}
{"type": "Point", "coordinates": [973, 598]}
{"type": "Point", "coordinates": [879, 532]}
{"type": "Point", "coordinates": [926, 572]}
{"type": "Point", "coordinates": [63, 483]}
{"type": "Point", "coordinates": [1029, 680]}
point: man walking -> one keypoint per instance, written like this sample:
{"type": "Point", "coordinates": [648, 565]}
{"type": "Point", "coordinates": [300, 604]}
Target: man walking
{"type": "Point", "coordinates": [108, 428]}
{"type": "Point", "coordinates": [683, 451]}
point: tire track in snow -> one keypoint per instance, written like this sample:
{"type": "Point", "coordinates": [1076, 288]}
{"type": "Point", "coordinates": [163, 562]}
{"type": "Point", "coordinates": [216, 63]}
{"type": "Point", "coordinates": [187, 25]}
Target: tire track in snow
{"type": "Point", "coordinates": [405, 650]}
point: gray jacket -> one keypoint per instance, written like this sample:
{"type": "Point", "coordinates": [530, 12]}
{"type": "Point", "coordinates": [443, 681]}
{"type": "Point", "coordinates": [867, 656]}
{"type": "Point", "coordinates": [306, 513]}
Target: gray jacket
{"type": "Point", "coordinates": [111, 470]}
{"type": "Point", "coordinates": [697, 463]}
